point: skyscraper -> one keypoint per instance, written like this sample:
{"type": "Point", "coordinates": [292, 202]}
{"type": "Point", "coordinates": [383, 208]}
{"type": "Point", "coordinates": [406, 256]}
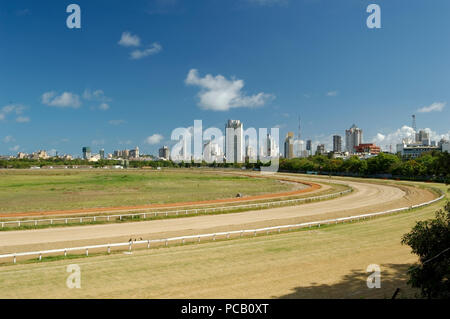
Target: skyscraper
{"type": "Point", "coordinates": [320, 149]}
{"type": "Point", "coordinates": [234, 144]}
{"type": "Point", "coordinates": [353, 137]}
{"type": "Point", "coordinates": [289, 145]}
{"type": "Point", "coordinates": [87, 154]}
{"type": "Point", "coordinates": [309, 147]}
{"type": "Point", "coordinates": [134, 153]}
{"type": "Point", "coordinates": [337, 144]}
{"type": "Point", "coordinates": [423, 138]}
{"type": "Point", "coordinates": [164, 152]}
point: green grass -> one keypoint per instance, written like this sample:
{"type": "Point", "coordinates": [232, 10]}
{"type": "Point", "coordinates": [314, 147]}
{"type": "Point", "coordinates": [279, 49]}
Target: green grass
{"type": "Point", "coordinates": [138, 218]}
{"type": "Point", "coordinates": [27, 190]}
{"type": "Point", "coordinates": [329, 262]}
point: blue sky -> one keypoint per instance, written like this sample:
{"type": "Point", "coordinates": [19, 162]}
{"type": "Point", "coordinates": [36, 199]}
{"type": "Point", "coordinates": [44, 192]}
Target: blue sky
{"type": "Point", "coordinates": [265, 62]}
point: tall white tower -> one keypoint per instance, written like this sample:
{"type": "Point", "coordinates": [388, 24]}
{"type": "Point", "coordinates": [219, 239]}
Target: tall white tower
{"type": "Point", "coordinates": [234, 144]}
{"type": "Point", "coordinates": [353, 137]}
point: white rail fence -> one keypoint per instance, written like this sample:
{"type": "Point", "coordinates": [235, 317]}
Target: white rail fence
{"type": "Point", "coordinates": [150, 214]}
{"type": "Point", "coordinates": [211, 236]}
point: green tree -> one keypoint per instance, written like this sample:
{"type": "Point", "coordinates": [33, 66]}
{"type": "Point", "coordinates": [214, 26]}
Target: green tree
{"type": "Point", "coordinates": [430, 240]}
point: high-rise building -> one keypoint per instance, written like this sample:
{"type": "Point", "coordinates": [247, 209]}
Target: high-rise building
{"type": "Point", "coordinates": [250, 153]}
{"type": "Point", "coordinates": [309, 147]}
{"type": "Point", "coordinates": [102, 154]}
{"type": "Point", "coordinates": [353, 137]}
{"type": "Point", "coordinates": [337, 144]}
{"type": "Point", "coordinates": [320, 149]}
{"type": "Point", "coordinates": [423, 138]}
{"type": "Point", "coordinates": [234, 144]}
{"type": "Point", "coordinates": [87, 154]}
{"type": "Point", "coordinates": [289, 145]}
{"type": "Point", "coordinates": [134, 153]}
{"type": "Point", "coordinates": [272, 147]}
{"type": "Point", "coordinates": [164, 152]}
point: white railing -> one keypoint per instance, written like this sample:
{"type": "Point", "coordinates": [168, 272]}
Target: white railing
{"type": "Point", "coordinates": [153, 214]}
{"type": "Point", "coordinates": [212, 236]}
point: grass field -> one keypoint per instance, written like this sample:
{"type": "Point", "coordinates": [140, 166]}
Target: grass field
{"type": "Point", "coordinates": [325, 263]}
{"type": "Point", "coordinates": [42, 190]}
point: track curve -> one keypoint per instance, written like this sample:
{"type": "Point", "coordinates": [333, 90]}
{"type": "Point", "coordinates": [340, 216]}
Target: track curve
{"type": "Point", "coordinates": [367, 197]}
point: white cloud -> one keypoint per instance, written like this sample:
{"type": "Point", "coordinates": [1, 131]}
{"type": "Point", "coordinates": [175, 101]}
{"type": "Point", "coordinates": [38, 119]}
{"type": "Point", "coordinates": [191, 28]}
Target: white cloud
{"type": "Point", "coordinates": [139, 54]}
{"type": "Point", "coordinates": [104, 106]}
{"type": "Point", "coordinates": [154, 139]}
{"type": "Point", "coordinates": [404, 133]}
{"type": "Point", "coordinates": [17, 108]}
{"type": "Point", "coordinates": [11, 108]}
{"type": "Point", "coordinates": [220, 94]}
{"type": "Point", "coordinates": [129, 40]}
{"type": "Point", "coordinates": [98, 96]}
{"type": "Point", "coordinates": [332, 93]}
{"type": "Point", "coordinates": [435, 107]}
{"type": "Point", "coordinates": [95, 95]}
{"type": "Point", "coordinates": [8, 139]}
{"type": "Point", "coordinates": [66, 99]}
{"type": "Point", "coordinates": [23, 119]}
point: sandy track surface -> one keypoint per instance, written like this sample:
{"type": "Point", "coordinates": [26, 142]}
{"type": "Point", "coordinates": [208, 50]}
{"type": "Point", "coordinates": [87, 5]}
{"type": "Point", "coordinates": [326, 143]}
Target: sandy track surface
{"type": "Point", "coordinates": [367, 197]}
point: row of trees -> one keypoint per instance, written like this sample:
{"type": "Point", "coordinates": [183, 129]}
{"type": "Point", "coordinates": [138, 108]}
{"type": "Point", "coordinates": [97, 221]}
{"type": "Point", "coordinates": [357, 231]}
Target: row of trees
{"type": "Point", "coordinates": [430, 165]}
{"type": "Point", "coordinates": [433, 164]}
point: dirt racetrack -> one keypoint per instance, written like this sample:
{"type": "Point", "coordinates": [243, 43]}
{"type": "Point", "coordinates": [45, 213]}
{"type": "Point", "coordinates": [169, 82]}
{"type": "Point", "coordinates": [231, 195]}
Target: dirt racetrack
{"type": "Point", "coordinates": [367, 197]}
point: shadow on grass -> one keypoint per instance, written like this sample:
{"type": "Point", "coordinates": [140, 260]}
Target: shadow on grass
{"type": "Point", "coordinates": [354, 286]}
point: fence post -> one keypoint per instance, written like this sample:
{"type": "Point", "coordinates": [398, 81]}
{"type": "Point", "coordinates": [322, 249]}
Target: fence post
{"type": "Point", "coordinates": [95, 218]}
{"type": "Point", "coordinates": [81, 220]}
{"type": "Point", "coordinates": [255, 233]}
{"type": "Point", "coordinates": [66, 221]}
{"type": "Point", "coordinates": [40, 256]}
{"type": "Point", "coordinates": [279, 230]}
{"type": "Point", "coordinates": [65, 252]}
{"type": "Point", "coordinates": [214, 237]}
{"type": "Point", "coordinates": [14, 259]}
{"type": "Point", "coordinates": [87, 252]}
{"type": "Point", "coordinates": [167, 243]}
{"type": "Point", "coordinates": [109, 249]}
{"type": "Point", "coordinates": [183, 241]}
{"type": "Point", "coordinates": [145, 215]}
{"type": "Point", "coordinates": [148, 244]}
{"type": "Point", "coordinates": [228, 236]}
{"type": "Point", "coordinates": [198, 238]}
{"type": "Point", "coordinates": [129, 246]}
{"type": "Point", "coordinates": [18, 223]}
{"type": "Point", "coordinates": [35, 223]}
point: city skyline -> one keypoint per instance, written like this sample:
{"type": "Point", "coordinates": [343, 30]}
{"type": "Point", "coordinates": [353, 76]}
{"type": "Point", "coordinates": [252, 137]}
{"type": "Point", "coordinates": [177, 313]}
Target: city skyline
{"type": "Point", "coordinates": [121, 81]}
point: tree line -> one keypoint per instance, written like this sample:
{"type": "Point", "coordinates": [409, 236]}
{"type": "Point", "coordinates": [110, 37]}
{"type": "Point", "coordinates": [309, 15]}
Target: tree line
{"type": "Point", "coordinates": [433, 165]}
